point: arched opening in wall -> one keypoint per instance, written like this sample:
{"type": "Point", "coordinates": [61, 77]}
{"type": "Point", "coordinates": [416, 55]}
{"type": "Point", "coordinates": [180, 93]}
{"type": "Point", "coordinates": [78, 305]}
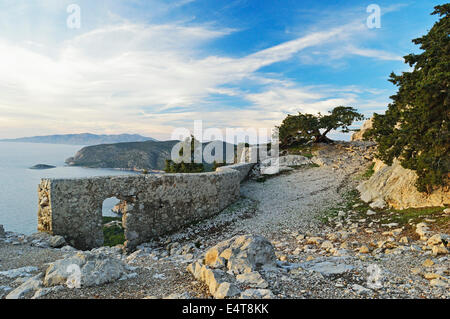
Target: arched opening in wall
{"type": "Point", "coordinates": [112, 211]}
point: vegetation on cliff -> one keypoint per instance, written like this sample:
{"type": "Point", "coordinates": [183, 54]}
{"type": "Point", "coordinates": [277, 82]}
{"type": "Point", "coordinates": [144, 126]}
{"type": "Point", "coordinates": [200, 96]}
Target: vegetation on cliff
{"type": "Point", "coordinates": [415, 128]}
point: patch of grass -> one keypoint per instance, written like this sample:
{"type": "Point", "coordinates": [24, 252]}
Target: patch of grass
{"type": "Point", "coordinates": [351, 202]}
{"type": "Point", "coordinates": [113, 235]}
{"type": "Point", "coordinates": [415, 215]}
{"type": "Point", "coordinates": [369, 172]}
{"type": "Point", "coordinates": [304, 150]}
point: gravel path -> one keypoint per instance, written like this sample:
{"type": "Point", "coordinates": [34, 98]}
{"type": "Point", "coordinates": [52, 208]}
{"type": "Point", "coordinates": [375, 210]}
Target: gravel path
{"type": "Point", "coordinates": [291, 202]}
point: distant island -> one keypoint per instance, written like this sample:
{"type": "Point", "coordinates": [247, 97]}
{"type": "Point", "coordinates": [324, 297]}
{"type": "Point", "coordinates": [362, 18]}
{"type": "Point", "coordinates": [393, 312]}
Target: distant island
{"type": "Point", "coordinates": [42, 166]}
{"type": "Point", "coordinates": [81, 139]}
{"type": "Point", "coordinates": [149, 155]}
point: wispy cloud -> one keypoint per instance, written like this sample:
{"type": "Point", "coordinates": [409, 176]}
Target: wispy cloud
{"type": "Point", "coordinates": [131, 77]}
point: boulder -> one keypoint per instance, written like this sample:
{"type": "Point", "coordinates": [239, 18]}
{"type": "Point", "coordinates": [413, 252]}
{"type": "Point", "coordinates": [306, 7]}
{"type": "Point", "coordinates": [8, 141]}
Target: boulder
{"type": "Point", "coordinates": [32, 284]}
{"type": "Point", "coordinates": [57, 241]}
{"type": "Point", "coordinates": [45, 240]}
{"type": "Point", "coordinates": [19, 272]}
{"type": "Point", "coordinates": [395, 186]}
{"type": "Point", "coordinates": [84, 269]}
{"type": "Point", "coordinates": [242, 254]}
{"type": "Point", "coordinates": [328, 266]}
{"type": "Point", "coordinates": [239, 256]}
{"type": "Point", "coordinates": [226, 290]}
{"type": "Point", "coordinates": [252, 279]}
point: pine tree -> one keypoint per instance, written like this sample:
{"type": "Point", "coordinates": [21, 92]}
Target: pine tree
{"type": "Point", "coordinates": [415, 128]}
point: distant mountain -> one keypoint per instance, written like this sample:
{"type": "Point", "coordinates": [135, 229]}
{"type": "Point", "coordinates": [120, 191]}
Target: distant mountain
{"type": "Point", "coordinates": [82, 139]}
{"type": "Point", "coordinates": [137, 155]}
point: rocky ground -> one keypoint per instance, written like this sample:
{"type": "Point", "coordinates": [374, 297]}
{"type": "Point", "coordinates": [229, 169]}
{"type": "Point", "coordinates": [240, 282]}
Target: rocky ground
{"type": "Point", "coordinates": [303, 233]}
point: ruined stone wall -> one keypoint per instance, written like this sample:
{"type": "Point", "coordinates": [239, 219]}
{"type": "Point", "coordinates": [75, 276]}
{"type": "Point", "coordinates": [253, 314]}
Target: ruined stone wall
{"type": "Point", "coordinates": [156, 204]}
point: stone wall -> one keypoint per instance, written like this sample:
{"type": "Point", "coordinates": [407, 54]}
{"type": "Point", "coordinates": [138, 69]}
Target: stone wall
{"type": "Point", "coordinates": [156, 204]}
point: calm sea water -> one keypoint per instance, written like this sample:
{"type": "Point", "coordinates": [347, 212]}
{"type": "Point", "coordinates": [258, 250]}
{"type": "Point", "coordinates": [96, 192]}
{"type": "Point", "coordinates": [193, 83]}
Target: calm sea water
{"type": "Point", "coordinates": [18, 183]}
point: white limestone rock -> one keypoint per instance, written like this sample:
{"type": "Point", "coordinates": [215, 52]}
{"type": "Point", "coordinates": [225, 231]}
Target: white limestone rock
{"type": "Point", "coordinates": [90, 269]}
{"type": "Point", "coordinates": [28, 286]}
{"type": "Point", "coordinates": [19, 272]}
{"type": "Point", "coordinates": [252, 279]}
{"type": "Point", "coordinates": [226, 290]}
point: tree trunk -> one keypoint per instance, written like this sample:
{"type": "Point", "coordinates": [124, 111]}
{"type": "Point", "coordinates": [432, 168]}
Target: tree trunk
{"type": "Point", "coordinates": [322, 139]}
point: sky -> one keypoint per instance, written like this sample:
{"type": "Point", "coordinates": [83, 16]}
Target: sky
{"type": "Point", "coordinates": [150, 67]}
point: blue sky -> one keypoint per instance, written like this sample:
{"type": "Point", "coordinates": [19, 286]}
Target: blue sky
{"type": "Point", "coordinates": [149, 67]}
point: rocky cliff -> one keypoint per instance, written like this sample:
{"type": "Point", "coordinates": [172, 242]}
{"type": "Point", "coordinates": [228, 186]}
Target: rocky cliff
{"type": "Point", "coordinates": [394, 186]}
{"type": "Point", "coordinates": [142, 155]}
{"type": "Point", "coordinates": [150, 155]}
{"type": "Point", "coordinates": [358, 136]}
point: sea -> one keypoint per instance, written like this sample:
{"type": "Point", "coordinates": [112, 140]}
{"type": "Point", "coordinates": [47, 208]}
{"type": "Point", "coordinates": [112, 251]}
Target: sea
{"type": "Point", "coordinates": [19, 183]}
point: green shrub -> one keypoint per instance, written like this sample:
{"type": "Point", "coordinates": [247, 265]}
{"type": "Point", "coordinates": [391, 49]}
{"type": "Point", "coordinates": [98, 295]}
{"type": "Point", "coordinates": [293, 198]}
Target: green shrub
{"type": "Point", "coordinates": [415, 128]}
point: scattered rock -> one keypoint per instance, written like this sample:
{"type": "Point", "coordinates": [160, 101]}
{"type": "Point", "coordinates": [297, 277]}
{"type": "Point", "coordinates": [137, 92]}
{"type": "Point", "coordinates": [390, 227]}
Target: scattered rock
{"type": "Point", "coordinates": [57, 241]}
{"type": "Point", "coordinates": [242, 254]}
{"type": "Point", "coordinates": [19, 272]}
{"type": "Point", "coordinates": [226, 290]}
{"type": "Point", "coordinates": [422, 230]}
{"type": "Point", "coordinates": [41, 292]}
{"type": "Point", "coordinates": [360, 289]}
{"type": "Point", "coordinates": [252, 279]}
{"type": "Point", "coordinates": [436, 240]}
{"type": "Point", "coordinates": [28, 286]}
{"type": "Point", "coordinates": [364, 250]}
{"type": "Point", "coordinates": [257, 294]}
{"type": "Point", "coordinates": [378, 203]}
{"type": "Point", "coordinates": [438, 283]}
{"type": "Point", "coordinates": [330, 266]}
{"type": "Point", "coordinates": [431, 275]}
{"type": "Point", "coordinates": [327, 245]}
{"type": "Point", "coordinates": [176, 295]}
{"type": "Point", "coordinates": [428, 263]}
{"type": "Point", "coordinates": [439, 250]}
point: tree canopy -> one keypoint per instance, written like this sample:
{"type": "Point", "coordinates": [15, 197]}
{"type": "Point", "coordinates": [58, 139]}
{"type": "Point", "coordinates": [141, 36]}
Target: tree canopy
{"type": "Point", "coordinates": [415, 127]}
{"type": "Point", "coordinates": [308, 128]}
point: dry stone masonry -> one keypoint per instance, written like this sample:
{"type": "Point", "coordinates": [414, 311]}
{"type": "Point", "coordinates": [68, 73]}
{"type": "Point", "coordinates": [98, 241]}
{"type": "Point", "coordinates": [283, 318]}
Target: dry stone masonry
{"type": "Point", "coordinates": [155, 204]}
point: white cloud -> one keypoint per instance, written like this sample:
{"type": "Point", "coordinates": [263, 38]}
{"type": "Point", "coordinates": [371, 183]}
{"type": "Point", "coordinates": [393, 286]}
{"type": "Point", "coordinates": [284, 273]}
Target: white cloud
{"type": "Point", "coordinates": [122, 78]}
